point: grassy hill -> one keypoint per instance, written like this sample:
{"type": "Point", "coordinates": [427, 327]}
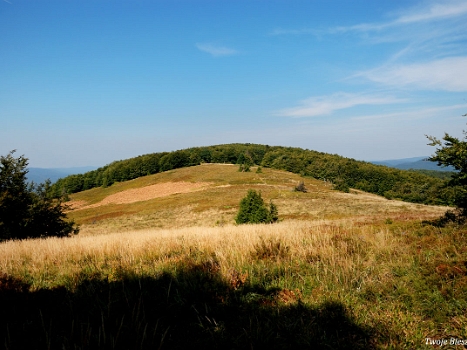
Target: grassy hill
{"type": "Point", "coordinates": [209, 195]}
{"type": "Point", "coordinates": [343, 173]}
{"type": "Point", "coordinates": [159, 264]}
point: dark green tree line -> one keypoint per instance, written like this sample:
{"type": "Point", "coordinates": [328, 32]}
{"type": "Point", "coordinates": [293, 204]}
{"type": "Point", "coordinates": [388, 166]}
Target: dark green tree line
{"type": "Point", "coordinates": [343, 173]}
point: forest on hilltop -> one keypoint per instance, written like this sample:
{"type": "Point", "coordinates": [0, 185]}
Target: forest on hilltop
{"type": "Point", "coordinates": [343, 173]}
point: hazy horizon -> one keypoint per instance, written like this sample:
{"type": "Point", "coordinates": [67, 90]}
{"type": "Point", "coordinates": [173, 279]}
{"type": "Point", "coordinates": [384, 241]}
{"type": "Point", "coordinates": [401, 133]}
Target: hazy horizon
{"type": "Point", "coordinates": [85, 83]}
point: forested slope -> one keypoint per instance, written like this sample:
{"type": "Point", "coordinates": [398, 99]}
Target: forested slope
{"type": "Point", "coordinates": [343, 172]}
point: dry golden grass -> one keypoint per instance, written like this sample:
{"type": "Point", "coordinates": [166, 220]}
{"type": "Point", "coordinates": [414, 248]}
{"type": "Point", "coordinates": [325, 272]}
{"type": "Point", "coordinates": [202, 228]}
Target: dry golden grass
{"type": "Point", "coordinates": [345, 250]}
{"type": "Point", "coordinates": [309, 261]}
{"type": "Point", "coordinates": [216, 200]}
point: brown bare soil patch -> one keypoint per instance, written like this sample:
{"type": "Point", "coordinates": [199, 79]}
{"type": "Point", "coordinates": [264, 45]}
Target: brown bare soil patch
{"type": "Point", "coordinates": [144, 193]}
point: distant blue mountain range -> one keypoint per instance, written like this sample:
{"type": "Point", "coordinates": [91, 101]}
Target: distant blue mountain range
{"type": "Point", "coordinates": [39, 175]}
{"type": "Point", "coordinates": [412, 163]}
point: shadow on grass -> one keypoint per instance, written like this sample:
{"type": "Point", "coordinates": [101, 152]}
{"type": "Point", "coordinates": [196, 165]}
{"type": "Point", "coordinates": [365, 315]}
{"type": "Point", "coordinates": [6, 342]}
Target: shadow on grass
{"type": "Point", "coordinates": [192, 308]}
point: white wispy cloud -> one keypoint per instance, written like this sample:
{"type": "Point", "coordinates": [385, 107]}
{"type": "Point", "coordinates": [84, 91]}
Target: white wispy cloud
{"type": "Point", "coordinates": [431, 56]}
{"type": "Point", "coordinates": [325, 105]}
{"type": "Point", "coordinates": [434, 56]}
{"type": "Point", "coordinates": [449, 74]}
{"type": "Point", "coordinates": [435, 11]}
{"type": "Point", "coordinates": [427, 27]}
{"type": "Point", "coordinates": [442, 10]}
{"type": "Point", "coordinates": [215, 50]}
{"type": "Point", "coordinates": [411, 113]}
{"type": "Point", "coordinates": [280, 31]}
{"type": "Point", "coordinates": [434, 34]}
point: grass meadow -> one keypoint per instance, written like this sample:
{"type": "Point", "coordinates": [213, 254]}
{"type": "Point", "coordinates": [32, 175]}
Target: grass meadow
{"type": "Point", "coordinates": [340, 271]}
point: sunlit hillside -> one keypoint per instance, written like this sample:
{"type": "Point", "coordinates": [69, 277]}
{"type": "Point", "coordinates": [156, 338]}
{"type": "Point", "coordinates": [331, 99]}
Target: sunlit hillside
{"type": "Point", "coordinates": [209, 195]}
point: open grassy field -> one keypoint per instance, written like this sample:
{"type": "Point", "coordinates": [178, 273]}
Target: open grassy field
{"type": "Point", "coordinates": [160, 264]}
{"type": "Point", "coordinates": [209, 195]}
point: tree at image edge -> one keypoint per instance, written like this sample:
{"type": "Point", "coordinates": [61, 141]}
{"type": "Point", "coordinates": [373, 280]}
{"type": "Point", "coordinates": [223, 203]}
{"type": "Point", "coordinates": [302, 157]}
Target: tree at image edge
{"type": "Point", "coordinates": [28, 210]}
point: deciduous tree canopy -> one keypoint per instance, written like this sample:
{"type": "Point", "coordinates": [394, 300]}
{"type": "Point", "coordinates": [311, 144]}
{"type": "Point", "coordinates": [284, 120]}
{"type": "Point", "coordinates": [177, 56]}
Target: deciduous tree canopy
{"type": "Point", "coordinates": [453, 152]}
{"type": "Point", "coordinates": [28, 211]}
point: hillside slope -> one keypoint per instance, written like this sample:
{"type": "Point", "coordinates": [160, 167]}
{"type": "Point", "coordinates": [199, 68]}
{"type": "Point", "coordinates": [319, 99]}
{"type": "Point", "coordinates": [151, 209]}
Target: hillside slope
{"type": "Point", "coordinates": [343, 173]}
{"type": "Point", "coordinates": [209, 195]}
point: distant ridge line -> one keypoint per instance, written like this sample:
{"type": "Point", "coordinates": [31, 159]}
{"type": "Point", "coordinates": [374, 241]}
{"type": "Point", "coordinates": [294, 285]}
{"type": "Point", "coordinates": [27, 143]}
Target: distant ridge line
{"type": "Point", "coordinates": [343, 173]}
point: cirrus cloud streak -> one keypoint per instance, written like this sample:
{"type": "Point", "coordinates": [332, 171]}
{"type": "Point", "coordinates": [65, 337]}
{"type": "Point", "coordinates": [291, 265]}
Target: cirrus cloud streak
{"type": "Point", "coordinates": [448, 74]}
{"type": "Point", "coordinates": [435, 12]}
{"type": "Point", "coordinates": [216, 51]}
{"type": "Point", "coordinates": [325, 105]}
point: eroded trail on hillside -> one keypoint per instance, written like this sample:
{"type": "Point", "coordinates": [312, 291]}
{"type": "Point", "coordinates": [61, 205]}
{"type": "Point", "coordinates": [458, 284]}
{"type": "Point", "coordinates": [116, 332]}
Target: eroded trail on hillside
{"type": "Point", "coordinates": [143, 194]}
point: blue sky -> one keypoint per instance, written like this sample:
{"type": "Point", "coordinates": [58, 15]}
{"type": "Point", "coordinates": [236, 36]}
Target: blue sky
{"type": "Point", "coordinates": [87, 82]}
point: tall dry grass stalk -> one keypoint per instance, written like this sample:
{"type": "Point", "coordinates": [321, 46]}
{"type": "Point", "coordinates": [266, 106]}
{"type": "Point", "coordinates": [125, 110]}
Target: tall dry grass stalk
{"type": "Point", "coordinates": [341, 252]}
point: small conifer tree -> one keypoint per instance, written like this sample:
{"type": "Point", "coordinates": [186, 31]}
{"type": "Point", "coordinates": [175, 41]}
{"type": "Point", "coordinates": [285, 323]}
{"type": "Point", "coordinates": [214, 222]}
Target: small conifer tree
{"type": "Point", "coordinates": [244, 168]}
{"type": "Point", "coordinates": [273, 212]}
{"type": "Point", "coordinates": [254, 211]}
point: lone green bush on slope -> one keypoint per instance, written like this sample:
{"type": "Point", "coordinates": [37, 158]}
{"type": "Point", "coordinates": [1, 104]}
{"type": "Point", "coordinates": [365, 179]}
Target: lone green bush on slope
{"type": "Point", "coordinates": [253, 210]}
